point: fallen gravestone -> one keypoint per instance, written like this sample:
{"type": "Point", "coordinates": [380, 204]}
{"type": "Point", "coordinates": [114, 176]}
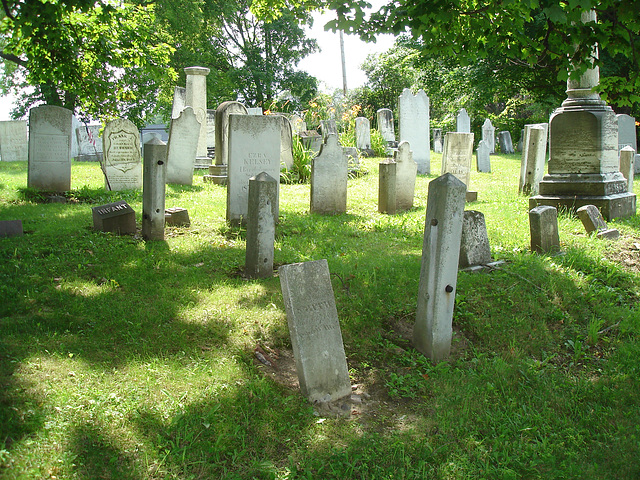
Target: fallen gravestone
{"type": "Point", "coordinates": [176, 217]}
{"type": "Point", "coordinates": [315, 331]}
{"type": "Point", "coordinates": [117, 217]}
{"type": "Point", "coordinates": [593, 222]}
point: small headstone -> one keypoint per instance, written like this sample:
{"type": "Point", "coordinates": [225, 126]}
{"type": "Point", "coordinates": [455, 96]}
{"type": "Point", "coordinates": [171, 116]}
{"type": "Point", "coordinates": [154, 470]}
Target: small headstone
{"type": "Point", "coordinates": [261, 225]}
{"type": "Point", "coordinates": [122, 159]}
{"type": "Point", "coordinates": [176, 217]}
{"type": "Point", "coordinates": [328, 127]}
{"type": "Point", "coordinates": [489, 135]}
{"type": "Point", "coordinates": [438, 140]}
{"type": "Point", "coordinates": [179, 101]}
{"type": "Point", "coordinates": [11, 228]}
{"type": "Point", "coordinates": [314, 328]}
{"type": "Point", "coordinates": [543, 225]}
{"type": "Point", "coordinates": [50, 131]}
{"type": "Point", "coordinates": [89, 143]}
{"type": "Point", "coordinates": [311, 140]}
{"type": "Point", "coordinates": [353, 159]}
{"type": "Point", "coordinates": [534, 154]}
{"type": "Point", "coordinates": [637, 164]}
{"type": "Point", "coordinates": [385, 124]}
{"type": "Point", "coordinates": [413, 111]}
{"type": "Point", "coordinates": [433, 329]}
{"type": "Point", "coordinates": [483, 157]}
{"type": "Point", "coordinates": [387, 184]}
{"type": "Point", "coordinates": [154, 190]}
{"type": "Point", "coordinates": [363, 134]}
{"type": "Point", "coordinates": [463, 122]}
{"type": "Point", "coordinates": [13, 141]}
{"type": "Point", "coordinates": [297, 124]}
{"type": "Point", "coordinates": [117, 217]}
{"type": "Point", "coordinates": [182, 149]}
{"type": "Point", "coordinates": [254, 147]}
{"type": "Point", "coordinates": [457, 155]}
{"type": "Point", "coordinates": [520, 144]}
{"type": "Point", "coordinates": [474, 244]}
{"type": "Point", "coordinates": [593, 222]}
{"type": "Point", "coordinates": [286, 143]}
{"type": "Point", "coordinates": [627, 160]}
{"type": "Point", "coordinates": [504, 140]}
{"type": "Point", "coordinates": [329, 175]}
{"type": "Point", "coordinates": [406, 171]}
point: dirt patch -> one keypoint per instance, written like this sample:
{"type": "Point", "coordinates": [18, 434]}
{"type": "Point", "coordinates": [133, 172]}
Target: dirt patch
{"type": "Point", "coordinates": [625, 252]}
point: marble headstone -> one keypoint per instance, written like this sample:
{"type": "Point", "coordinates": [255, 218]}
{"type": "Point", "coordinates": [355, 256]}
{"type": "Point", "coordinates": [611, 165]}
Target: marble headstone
{"type": "Point", "coordinates": [122, 157]}
{"type": "Point", "coordinates": [463, 122]}
{"type": "Point", "coordinates": [414, 127]}
{"type": "Point", "coordinates": [329, 175]}
{"type": "Point", "coordinates": [489, 135]}
{"type": "Point", "coordinates": [385, 124]}
{"type": "Point", "coordinates": [13, 141]}
{"type": "Point", "coordinates": [457, 155]}
{"type": "Point", "coordinates": [182, 148]}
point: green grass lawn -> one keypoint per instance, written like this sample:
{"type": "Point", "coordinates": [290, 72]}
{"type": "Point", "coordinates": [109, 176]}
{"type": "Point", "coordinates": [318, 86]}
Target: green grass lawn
{"type": "Point", "coordinates": [125, 359]}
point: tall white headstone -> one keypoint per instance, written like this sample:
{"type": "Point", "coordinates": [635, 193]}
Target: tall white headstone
{"type": "Point", "coordinates": [13, 141]}
{"type": "Point", "coordinates": [414, 127]}
{"type": "Point", "coordinates": [184, 135]}
{"type": "Point", "coordinates": [122, 157]}
{"type": "Point", "coordinates": [363, 134]}
{"type": "Point", "coordinates": [534, 153]}
{"type": "Point", "coordinates": [483, 158]}
{"type": "Point", "coordinates": [463, 122]}
{"type": "Point", "coordinates": [329, 175]}
{"type": "Point", "coordinates": [457, 155]}
{"type": "Point", "coordinates": [197, 99]}
{"type": "Point", "coordinates": [489, 135]}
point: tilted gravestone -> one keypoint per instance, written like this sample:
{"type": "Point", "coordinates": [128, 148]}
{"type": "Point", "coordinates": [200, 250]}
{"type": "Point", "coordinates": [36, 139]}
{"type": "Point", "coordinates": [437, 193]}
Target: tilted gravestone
{"type": "Point", "coordinates": [50, 132]}
{"type": "Point", "coordinates": [504, 140]}
{"type": "Point", "coordinates": [457, 155]}
{"type": "Point", "coordinates": [117, 217]}
{"type": "Point", "coordinates": [154, 190]}
{"type": "Point", "coordinates": [483, 157]}
{"type": "Point", "coordinates": [543, 225]}
{"type": "Point", "coordinates": [315, 333]}
{"type": "Point", "coordinates": [261, 225]}
{"type": "Point", "coordinates": [534, 154]}
{"type": "Point", "coordinates": [489, 135]}
{"type": "Point", "coordinates": [329, 175]}
{"type": "Point", "coordinates": [433, 328]}
{"type": "Point", "coordinates": [474, 243]}
{"type": "Point", "coordinates": [182, 148]}
{"type": "Point", "coordinates": [414, 128]}
{"type": "Point", "coordinates": [13, 141]}
{"type": "Point", "coordinates": [463, 122]}
{"type": "Point", "coordinates": [627, 158]}
{"type": "Point", "coordinates": [122, 159]}
{"type": "Point", "coordinates": [385, 124]}
{"type": "Point", "coordinates": [593, 222]}
{"type": "Point", "coordinates": [89, 143]}
{"type": "Point", "coordinates": [254, 147]}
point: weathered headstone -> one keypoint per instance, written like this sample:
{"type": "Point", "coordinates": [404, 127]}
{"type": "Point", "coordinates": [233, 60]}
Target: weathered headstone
{"type": "Point", "coordinates": [218, 172]}
{"type": "Point", "coordinates": [438, 140]}
{"type": "Point", "coordinates": [315, 331]}
{"type": "Point", "coordinates": [474, 244]}
{"type": "Point", "coordinates": [117, 217]}
{"type": "Point", "coordinates": [627, 158]}
{"type": "Point", "coordinates": [13, 141]}
{"type": "Point", "coordinates": [328, 127]}
{"type": "Point", "coordinates": [504, 140]}
{"type": "Point", "coordinates": [50, 131]}
{"type": "Point", "coordinates": [433, 329]}
{"type": "Point", "coordinates": [254, 110]}
{"type": "Point", "coordinates": [261, 225]}
{"type": "Point", "coordinates": [463, 122]}
{"type": "Point", "coordinates": [211, 130]}
{"type": "Point", "coordinates": [489, 135]}
{"type": "Point", "coordinates": [176, 217]}
{"type": "Point", "coordinates": [406, 171]}
{"type": "Point", "coordinates": [363, 134]}
{"type": "Point", "coordinates": [197, 99]}
{"type": "Point", "coordinates": [543, 225]}
{"type": "Point", "coordinates": [254, 147]}
{"type": "Point", "coordinates": [626, 132]}
{"type": "Point", "coordinates": [179, 101]}
{"type": "Point", "coordinates": [11, 228]}
{"type": "Point", "coordinates": [413, 111]}
{"type": "Point", "coordinates": [122, 160]}
{"type": "Point", "coordinates": [182, 149]}
{"type": "Point", "coordinates": [329, 175]}
{"type": "Point", "coordinates": [89, 143]}
{"type": "Point", "coordinates": [286, 143]}
{"type": "Point", "coordinates": [353, 159]}
{"type": "Point", "coordinates": [153, 190]}
{"type": "Point", "coordinates": [593, 222]}
{"type": "Point", "coordinates": [387, 185]}
{"type": "Point", "coordinates": [483, 157]}
{"type": "Point", "coordinates": [534, 154]}
{"type": "Point", "coordinates": [385, 124]}
{"type": "Point", "coordinates": [457, 155]}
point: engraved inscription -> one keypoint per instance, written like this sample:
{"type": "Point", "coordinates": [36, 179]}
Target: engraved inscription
{"type": "Point", "coordinates": [51, 148]}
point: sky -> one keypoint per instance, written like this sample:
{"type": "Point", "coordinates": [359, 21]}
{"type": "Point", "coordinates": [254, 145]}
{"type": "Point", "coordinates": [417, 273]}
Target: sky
{"type": "Point", "coordinates": [326, 65]}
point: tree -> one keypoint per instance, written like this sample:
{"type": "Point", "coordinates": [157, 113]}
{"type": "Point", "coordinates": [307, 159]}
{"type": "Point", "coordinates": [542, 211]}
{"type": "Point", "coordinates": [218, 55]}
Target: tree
{"type": "Point", "coordinates": [90, 57]}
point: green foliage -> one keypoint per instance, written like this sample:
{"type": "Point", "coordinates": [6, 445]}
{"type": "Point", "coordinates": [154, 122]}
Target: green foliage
{"type": "Point", "coordinates": [301, 171]}
{"type": "Point", "coordinates": [378, 144]}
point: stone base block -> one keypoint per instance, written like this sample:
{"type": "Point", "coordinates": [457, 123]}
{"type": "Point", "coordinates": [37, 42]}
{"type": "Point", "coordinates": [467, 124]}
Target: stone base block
{"type": "Point", "coordinates": [11, 228]}
{"type": "Point", "coordinates": [609, 234]}
{"type": "Point", "coordinates": [202, 162]}
{"type": "Point", "coordinates": [579, 184]}
{"type": "Point", "coordinates": [611, 206]}
{"type": "Point", "coordinates": [215, 179]}
{"type": "Point", "coordinates": [471, 196]}
{"type": "Point", "coordinates": [176, 217]}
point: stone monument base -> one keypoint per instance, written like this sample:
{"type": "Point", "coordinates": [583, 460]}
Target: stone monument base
{"type": "Point", "coordinates": [202, 163]}
{"type": "Point", "coordinates": [217, 175]}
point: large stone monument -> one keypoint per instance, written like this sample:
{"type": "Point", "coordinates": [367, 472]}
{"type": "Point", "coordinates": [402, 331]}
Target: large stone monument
{"type": "Point", "coordinates": [414, 127]}
{"type": "Point", "coordinates": [583, 152]}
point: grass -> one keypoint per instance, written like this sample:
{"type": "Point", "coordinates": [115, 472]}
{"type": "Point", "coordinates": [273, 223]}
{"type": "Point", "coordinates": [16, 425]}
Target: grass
{"type": "Point", "coordinates": [121, 359]}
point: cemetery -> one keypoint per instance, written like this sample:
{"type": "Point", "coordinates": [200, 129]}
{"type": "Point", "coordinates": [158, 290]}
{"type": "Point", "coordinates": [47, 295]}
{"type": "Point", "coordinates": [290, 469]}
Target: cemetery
{"type": "Point", "coordinates": [210, 283]}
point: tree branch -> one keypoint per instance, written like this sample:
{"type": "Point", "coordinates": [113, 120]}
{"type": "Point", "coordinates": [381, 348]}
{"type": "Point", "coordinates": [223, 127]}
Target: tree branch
{"type": "Point", "coordinates": [13, 58]}
{"type": "Point", "coordinates": [7, 10]}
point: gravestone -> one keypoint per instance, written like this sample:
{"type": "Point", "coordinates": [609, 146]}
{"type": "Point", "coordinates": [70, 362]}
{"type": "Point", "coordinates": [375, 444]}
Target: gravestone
{"type": "Point", "coordinates": [183, 147]}
{"type": "Point", "coordinates": [117, 217]}
{"type": "Point", "coordinates": [261, 225]}
{"type": "Point", "coordinates": [50, 130]}
{"type": "Point", "coordinates": [254, 110]}
{"type": "Point", "coordinates": [176, 217]}
{"type": "Point", "coordinates": [328, 127]}
{"type": "Point", "coordinates": [593, 222]}
{"type": "Point", "coordinates": [457, 155]}
{"type": "Point", "coordinates": [385, 124]}
{"type": "Point", "coordinates": [474, 243]}
{"type": "Point", "coordinates": [122, 160]}
{"type": "Point", "coordinates": [519, 146]}
{"type": "Point", "coordinates": [218, 172]}
{"type": "Point", "coordinates": [329, 175]}
{"type": "Point", "coordinates": [315, 333]}
{"type": "Point", "coordinates": [483, 157]}
{"type": "Point", "coordinates": [197, 99]}
{"type": "Point", "coordinates": [433, 329]}
{"type": "Point", "coordinates": [543, 225]}
{"type": "Point", "coordinates": [353, 159]}
{"type": "Point", "coordinates": [254, 147]}
{"type": "Point", "coordinates": [489, 135]}
{"type": "Point", "coordinates": [413, 111]}
{"type": "Point", "coordinates": [179, 101]}
{"type": "Point", "coordinates": [387, 185]}
{"type": "Point", "coordinates": [504, 140]}
{"type": "Point", "coordinates": [583, 164]}
{"type": "Point", "coordinates": [534, 154]}
{"type": "Point", "coordinates": [149, 131]}
{"type": "Point", "coordinates": [11, 228]}
{"type": "Point", "coordinates": [363, 135]}
{"type": "Point", "coordinates": [154, 190]}
{"type": "Point", "coordinates": [211, 131]}
{"type": "Point", "coordinates": [438, 140]}
{"type": "Point", "coordinates": [406, 171]}
{"type": "Point", "coordinates": [13, 141]}
{"type": "Point", "coordinates": [286, 143]}
{"type": "Point", "coordinates": [89, 143]}
{"type": "Point", "coordinates": [311, 140]}
{"type": "Point", "coordinates": [463, 122]}
{"type": "Point", "coordinates": [297, 124]}
{"type": "Point", "coordinates": [627, 158]}
{"type": "Point", "coordinates": [626, 132]}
